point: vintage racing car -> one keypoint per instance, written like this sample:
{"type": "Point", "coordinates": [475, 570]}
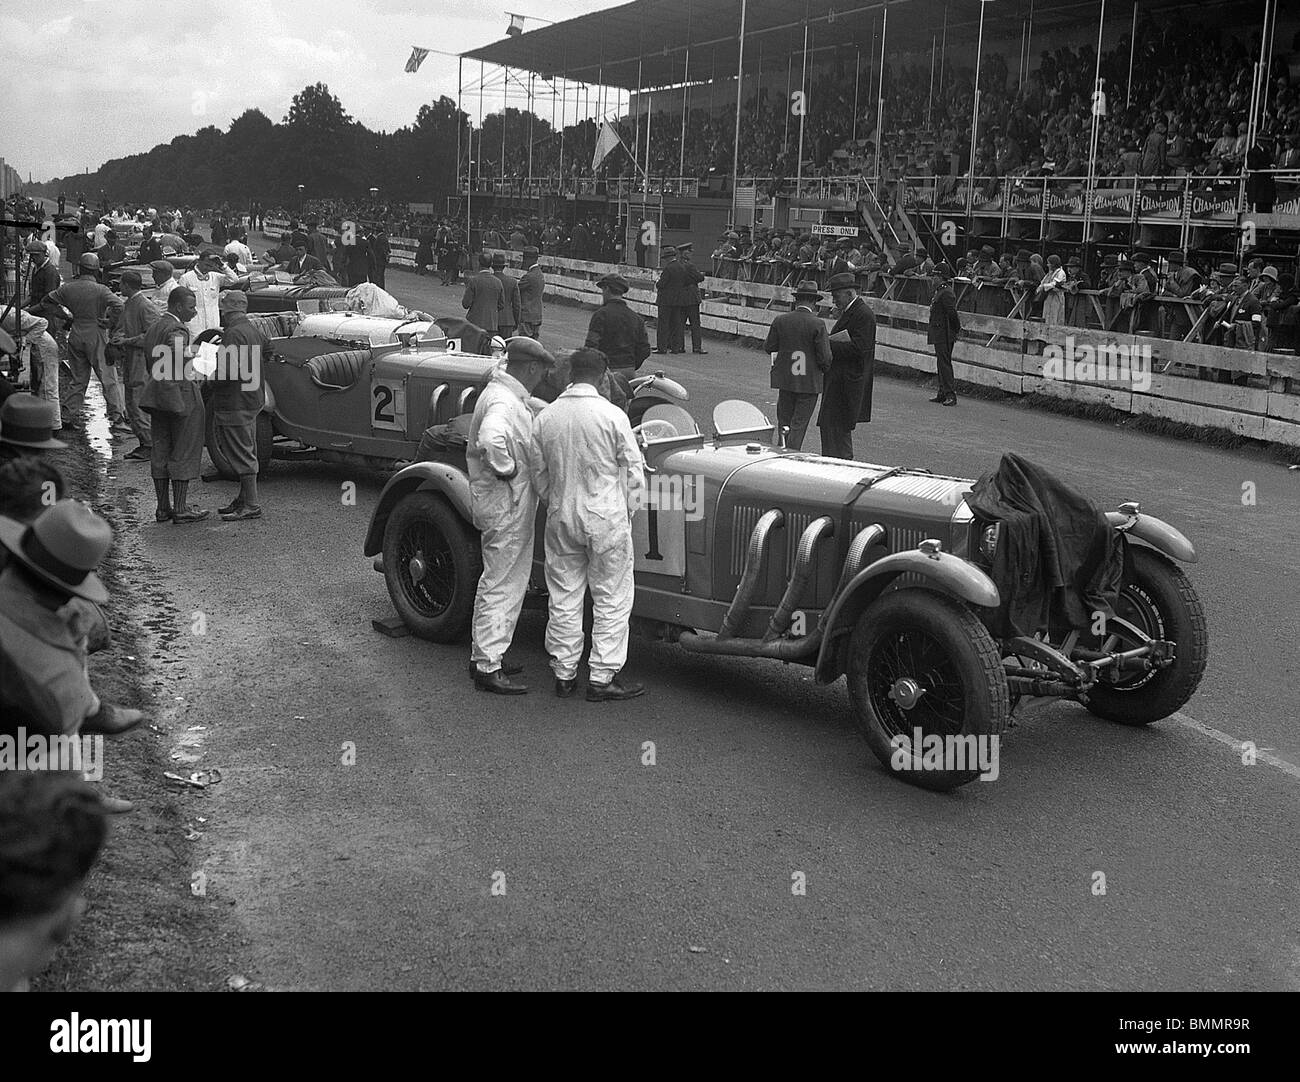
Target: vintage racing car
{"type": "Point", "coordinates": [879, 574]}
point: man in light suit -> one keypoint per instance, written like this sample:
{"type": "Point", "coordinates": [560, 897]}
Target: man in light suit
{"type": "Point", "coordinates": [801, 355]}
{"type": "Point", "coordinates": [485, 297]}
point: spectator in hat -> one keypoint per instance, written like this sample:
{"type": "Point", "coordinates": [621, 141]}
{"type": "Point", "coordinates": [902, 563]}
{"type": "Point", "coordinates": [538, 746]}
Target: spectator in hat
{"type": "Point", "coordinates": [94, 309]}
{"type": "Point", "coordinates": [43, 354]}
{"type": "Point", "coordinates": [163, 275]}
{"type": "Point", "coordinates": [617, 331]}
{"type": "Point", "coordinates": [238, 397]}
{"type": "Point", "coordinates": [150, 249]}
{"type": "Point", "coordinates": [484, 300]}
{"type": "Point", "coordinates": [671, 297]}
{"type": "Point", "coordinates": [1282, 314]}
{"type": "Point", "coordinates": [379, 253]}
{"type": "Point", "coordinates": [175, 408]}
{"type": "Point", "coordinates": [532, 284]}
{"type": "Point", "coordinates": [1143, 287]}
{"type": "Point", "coordinates": [27, 427]}
{"type": "Point", "coordinates": [52, 828]}
{"type": "Point", "coordinates": [944, 333]}
{"type": "Point", "coordinates": [316, 243]}
{"type": "Point", "coordinates": [112, 253]}
{"type": "Point", "coordinates": [1077, 304]}
{"type": "Point", "coordinates": [43, 279]}
{"type": "Point", "coordinates": [690, 302]}
{"type": "Point", "coordinates": [1182, 280]}
{"type": "Point", "coordinates": [1052, 291]}
{"type": "Point", "coordinates": [139, 313]}
{"type": "Point", "coordinates": [509, 318]}
{"type": "Point", "coordinates": [846, 397]}
{"type": "Point", "coordinates": [800, 349]}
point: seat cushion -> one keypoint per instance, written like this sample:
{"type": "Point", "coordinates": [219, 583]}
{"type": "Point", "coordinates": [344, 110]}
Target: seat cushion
{"type": "Point", "coordinates": [338, 371]}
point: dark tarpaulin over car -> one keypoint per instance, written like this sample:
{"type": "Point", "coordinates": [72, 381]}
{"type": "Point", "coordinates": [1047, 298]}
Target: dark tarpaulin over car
{"type": "Point", "coordinates": [608, 47]}
{"type": "Point", "coordinates": [1058, 560]}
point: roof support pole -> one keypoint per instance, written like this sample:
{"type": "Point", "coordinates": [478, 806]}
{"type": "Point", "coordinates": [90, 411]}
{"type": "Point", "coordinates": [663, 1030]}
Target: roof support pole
{"type": "Point", "coordinates": [649, 122]}
{"type": "Point", "coordinates": [686, 91]}
{"type": "Point", "coordinates": [1029, 39]}
{"type": "Point", "coordinates": [469, 149]}
{"type": "Point", "coordinates": [1132, 48]}
{"type": "Point", "coordinates": [943, 49]}
{"type": "Point", "coordinates": [857, 78]}
{"type": "Point", "coordinates": [789, 74]}
{"type": "Point", "coordinates": [880, 102]}
{"type": "Point", "coordinates": [740, 88]}
{"type": "Point", "coordinates": [636, 147]}
{"type": "Point", "coordinates": [1270, 23]}
{"type": "Point", "coordinates": [1098, 110]}
{"type": "Point", "coordinates": [929, 105]}
{"type": "Point", "coordinates": [505, 107]}
{"type": "Point", "coordinates": [563, 103]}
{"type": "Point", "coordinates": [803, 110]}
{"type": "Point", "coordinates": [975, 112]}
{"type": "Point", "coordinates": [532, 76]}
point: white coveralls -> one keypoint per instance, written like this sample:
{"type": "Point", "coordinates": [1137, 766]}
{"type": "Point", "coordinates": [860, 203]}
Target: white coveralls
{"type": "Point", "coordinates": [503, 504]}
{"type": "Point", "coordinates": [591, 474]}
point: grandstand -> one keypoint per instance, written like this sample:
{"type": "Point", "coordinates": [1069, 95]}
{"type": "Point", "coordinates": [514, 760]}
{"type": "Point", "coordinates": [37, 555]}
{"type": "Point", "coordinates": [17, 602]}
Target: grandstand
{"type": "Point", "coordinates": [1194, 144]}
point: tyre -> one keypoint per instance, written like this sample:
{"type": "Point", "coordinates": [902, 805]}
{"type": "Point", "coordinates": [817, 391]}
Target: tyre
{"type": "Point", "coordinates": [920, 660]}
{"type": "Point", "coordinates": [1160, 600]}
{"type": "Point", "coordinates": [215, 438]}
{"type": "Point", "coordinates": [432, 564]}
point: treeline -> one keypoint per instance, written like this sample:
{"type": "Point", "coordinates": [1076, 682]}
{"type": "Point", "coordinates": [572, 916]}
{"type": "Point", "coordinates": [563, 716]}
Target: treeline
{"type": "Point", "coordinates": [317, 145]}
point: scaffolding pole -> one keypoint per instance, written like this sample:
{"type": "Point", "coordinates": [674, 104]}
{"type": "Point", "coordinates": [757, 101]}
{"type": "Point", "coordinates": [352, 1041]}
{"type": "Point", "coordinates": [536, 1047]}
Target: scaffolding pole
{"type": "Point", "coordinates": [740, 86]}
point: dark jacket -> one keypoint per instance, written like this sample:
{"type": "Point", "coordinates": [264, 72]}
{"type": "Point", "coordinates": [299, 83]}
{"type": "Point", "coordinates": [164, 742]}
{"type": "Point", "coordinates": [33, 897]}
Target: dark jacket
{"type": "Point", "coordinates": [800, 350]}
{"type": "Point", "coordinates": [847, 396]}
{"type": "Point", "coordinates": [945, 323]}
{"type": "Point", "coordinates": [531, 287]}
{"type": "Point", "coordinates": [619, 333]}
{"type": "Point", "coordinates": [234, 402]}
{"type": "Point", "coordinates": [45, 279]}
{"type": "Point", "coordinates": [678, 285]}
{"type": "Point", "coordinates": [509, 319]}
{"type": "Point", "coordinates": [484, 300]}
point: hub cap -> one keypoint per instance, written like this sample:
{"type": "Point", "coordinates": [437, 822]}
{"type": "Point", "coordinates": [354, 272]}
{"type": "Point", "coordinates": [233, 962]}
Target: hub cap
{"type": "Point", "coordinates": [906, 692]}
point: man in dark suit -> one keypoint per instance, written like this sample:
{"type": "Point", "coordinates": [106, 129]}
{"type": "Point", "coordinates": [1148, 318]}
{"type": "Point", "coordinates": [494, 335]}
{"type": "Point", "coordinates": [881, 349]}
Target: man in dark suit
{"type": "Point", "coordinates": [670, 293]}
{"type": "Point", "coordinates": [691, 303]}
{"type": "Point", "coordinates": [379, 251]}
{"type": "Point", "coordinates": [945, 331]}
{"type": "Point", "coordinates": [485, 297]}
{"type": "Point", "coordinates": [617, 331]}
{"type": "Point", "coordinates": [801, 355]}
{"type": "Point", "coordinates": [847, 397]}
{"type": "Point", "coordinates": [531, 286]}
{"type": "Point", "coordinates": [510, 312]}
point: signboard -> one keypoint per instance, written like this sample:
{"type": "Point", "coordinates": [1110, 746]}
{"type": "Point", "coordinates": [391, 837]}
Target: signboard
{"type": "Point", "coordinates": [1161, 204]}
{"type": "Point", "coordinates": [422, 208]}
{"type": "Point", "coordinates": [1113, 204]}
{"type": "Point", "coordinates": [1027, 201]}
{"type": "Point", "coordinates": [1065, 201]}
{"type": "Point", "coordinates": [1214, 204]}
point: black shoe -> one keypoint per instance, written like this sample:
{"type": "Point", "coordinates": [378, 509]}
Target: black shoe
{"type": "Point", "coordinates": [937, 398]}
{"type": "Point", "coordinates": [661, 351]}
{"type": "Point", "coordinates": [189, 513]}
{"type": "Point", "coordinates": [701, 352]}
{"type": "Point", "coordinates": [162, 514]}
{"type": "Point", "coordinates": [506, 667]}
{"type": "Point", "coordinates": [233, 506]}
{"type": "Point", "coordinates": [614, 691]}
{"type": "Point", "coordinates": [564, 688]}
{"type": "Point", "coordinates": [243, 511]}
{"type": "Point", "coordinates": [951, 400]}
{"type": "Point", "coordinates": [139, 454]}
{"type": "Point", "coordinates": [497, 683]}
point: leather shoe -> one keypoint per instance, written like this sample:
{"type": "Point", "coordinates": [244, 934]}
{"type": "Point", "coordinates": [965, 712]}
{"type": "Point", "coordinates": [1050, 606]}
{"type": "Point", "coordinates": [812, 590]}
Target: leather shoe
{"type": "Point", "coordinates": [951, 400]}
{"type": "Point", "coordinates": [937, 398]}
{"type": "Point", "coordinates": [614, 691]}
{"type": "Point", "coordinates": [242, 512]}
{"type": "Point", "coordinates": [233, 506]}
{"type": "Point", "coordinates": [138, 454]}
{"type": "Point", "coordinates": [564, 688]}
{"type": "Point", "coordinates": [162, 514]}
{"type": "Point", "coordinates": [111, 720]}
{"type": "Point", "coordinates": [506, 667]}
{"type": "Point", "coordinates": [190, 514]}
{"type": "Point", "coordinates": [700, 352]}
{"type": "Point", "coordinates": [497, 683]}
{"type": "Point", "coordinates": [661, 351]}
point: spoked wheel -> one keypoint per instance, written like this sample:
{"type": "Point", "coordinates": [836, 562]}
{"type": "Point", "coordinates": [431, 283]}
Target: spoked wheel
{"type": "Point", "coordinates": [432, 564]}
{"type": "Point", "coordinates": [1160, 602]}
{"type": "Point", "coordinates": [922, 661]}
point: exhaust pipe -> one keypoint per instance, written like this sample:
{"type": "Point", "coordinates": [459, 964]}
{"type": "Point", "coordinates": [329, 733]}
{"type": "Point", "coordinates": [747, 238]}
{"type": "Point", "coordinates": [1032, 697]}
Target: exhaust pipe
{"type": "Point", "coordinates": [739, 609]}
{"type": "Point", "coordinates": [803, 568]}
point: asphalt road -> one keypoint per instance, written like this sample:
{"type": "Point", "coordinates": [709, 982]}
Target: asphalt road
{"type": "Point", "coordinates": [679, 875]}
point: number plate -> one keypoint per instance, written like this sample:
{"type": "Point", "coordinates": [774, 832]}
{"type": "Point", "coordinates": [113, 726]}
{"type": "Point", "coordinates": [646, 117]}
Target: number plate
{"type": "Point", "coordinates": [388, 404]}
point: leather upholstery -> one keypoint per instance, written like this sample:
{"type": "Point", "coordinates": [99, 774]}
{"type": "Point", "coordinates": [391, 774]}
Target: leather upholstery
{"type": "Point", "coordinates": [338, 371]}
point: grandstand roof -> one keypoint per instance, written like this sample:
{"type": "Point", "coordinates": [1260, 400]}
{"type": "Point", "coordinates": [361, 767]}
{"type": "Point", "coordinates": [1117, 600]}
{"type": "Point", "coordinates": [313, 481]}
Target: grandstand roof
{"type": "Point", "coordinates": [606, 46]}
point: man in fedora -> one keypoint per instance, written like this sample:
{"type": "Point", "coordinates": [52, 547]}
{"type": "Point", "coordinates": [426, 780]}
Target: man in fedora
{"type": "Point", "coordinates": [485, 297]}
{"type": "Point", "coordinates": [801, 354]}
{"type": "Point", "coordinates": [846, 399]}
{"type": "Point", "coordinates": [27, 427]}
{"type": "Point", "coordinates": [670, 298]}
{"type": "Point", "coordinates": [237, 401]}
{"type": "Point", "coordinates": [51, 562]}
{"type": "Point", "coordinates": [139, 313]}
{"type": "Point", "coordinates": [175, 407]}
{"type": "Point", "coordinates": [508, 321]}
{"type": "Point", "coordinates": [503, 508]}
{"type": "Point", "coordinates": [617, 331]}
{"type": "Point", "coordinates": [532, 284]}
{"type": "Point", "coordinates": [691, 300]}
{"type": "Point", "coordinates": [94, 308]}
{"type": "Point", "coordinates": [1182, 280]}
{"type": "Point", "coordinates": [944, 333]}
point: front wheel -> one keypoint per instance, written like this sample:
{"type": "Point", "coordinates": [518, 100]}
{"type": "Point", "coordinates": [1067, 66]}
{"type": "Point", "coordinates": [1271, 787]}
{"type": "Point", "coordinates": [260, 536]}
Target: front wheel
{"type": "Point", "coordinates": [432, 564]}
{"type": "Point", "coordinates": [919, 660]}
{"type": "Point", "coordinates": [1159, 600]}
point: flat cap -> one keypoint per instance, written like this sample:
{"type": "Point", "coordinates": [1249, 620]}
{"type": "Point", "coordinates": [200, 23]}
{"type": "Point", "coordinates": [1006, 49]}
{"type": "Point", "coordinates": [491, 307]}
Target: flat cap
{"type": "Point", "coordinates": [1074, 261]}
{"type": "Point", "coordinates": [163, 266]}
{"type": "Point", "coordinates": [523, 348]}
{"type": "Point", "coordinates": [132, 278]}
{"type": "Point", "coordinates": [1141, 257]}
{"type": "Point", "coordinates": [36, 246]}
{"type": "Point", "coordinates": [1176, 258]}
{"type": "Point", "coordinates": [233, 300]}
{"type": "Point", "coordinates": [614, 282]}
{"type": "Point", "coordinates": [686, 246]}
{"type": "Point", "coordinates": [298, 240]}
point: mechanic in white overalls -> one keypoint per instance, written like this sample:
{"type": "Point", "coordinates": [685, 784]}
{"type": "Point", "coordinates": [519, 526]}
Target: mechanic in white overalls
{"type": "Point", "coordinates": [590, 473]}
{"type": "Point", "coordinates": [503, 506]}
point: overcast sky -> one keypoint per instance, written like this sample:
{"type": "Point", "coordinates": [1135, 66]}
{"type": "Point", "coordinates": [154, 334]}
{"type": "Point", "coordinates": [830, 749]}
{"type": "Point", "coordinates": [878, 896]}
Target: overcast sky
{"type": "Point", "coordinates": [89, 80]}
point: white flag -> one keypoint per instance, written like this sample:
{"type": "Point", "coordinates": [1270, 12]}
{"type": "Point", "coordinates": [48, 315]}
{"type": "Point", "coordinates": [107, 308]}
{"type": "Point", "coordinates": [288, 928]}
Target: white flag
{"type": "Point", "coordinates": [606, 141]}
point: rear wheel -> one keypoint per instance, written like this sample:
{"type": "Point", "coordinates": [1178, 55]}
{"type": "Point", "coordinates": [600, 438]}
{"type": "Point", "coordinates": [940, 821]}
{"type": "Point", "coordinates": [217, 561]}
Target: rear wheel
{"type": "Point", "coordinates": [920, 660]}
{"type": "Point", "coordinates": [1160, 600]}
{"type": "Point", "coordinates": [432, 564]}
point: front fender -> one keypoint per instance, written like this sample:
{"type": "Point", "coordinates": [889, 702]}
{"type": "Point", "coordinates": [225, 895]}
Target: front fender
{"type": "Point", "coordinates": [941, 570]}
{"type": "Point", "coordinates": [1155, 532]}
{"type": "Point", "coordinates": [434, 476]}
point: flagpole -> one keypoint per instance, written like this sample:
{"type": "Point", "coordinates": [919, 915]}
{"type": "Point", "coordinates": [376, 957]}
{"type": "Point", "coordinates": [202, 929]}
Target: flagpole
{"type": "Point", "coordinates": [740, 87]}
{"type": "Point", "coordinates": [686, 78]}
